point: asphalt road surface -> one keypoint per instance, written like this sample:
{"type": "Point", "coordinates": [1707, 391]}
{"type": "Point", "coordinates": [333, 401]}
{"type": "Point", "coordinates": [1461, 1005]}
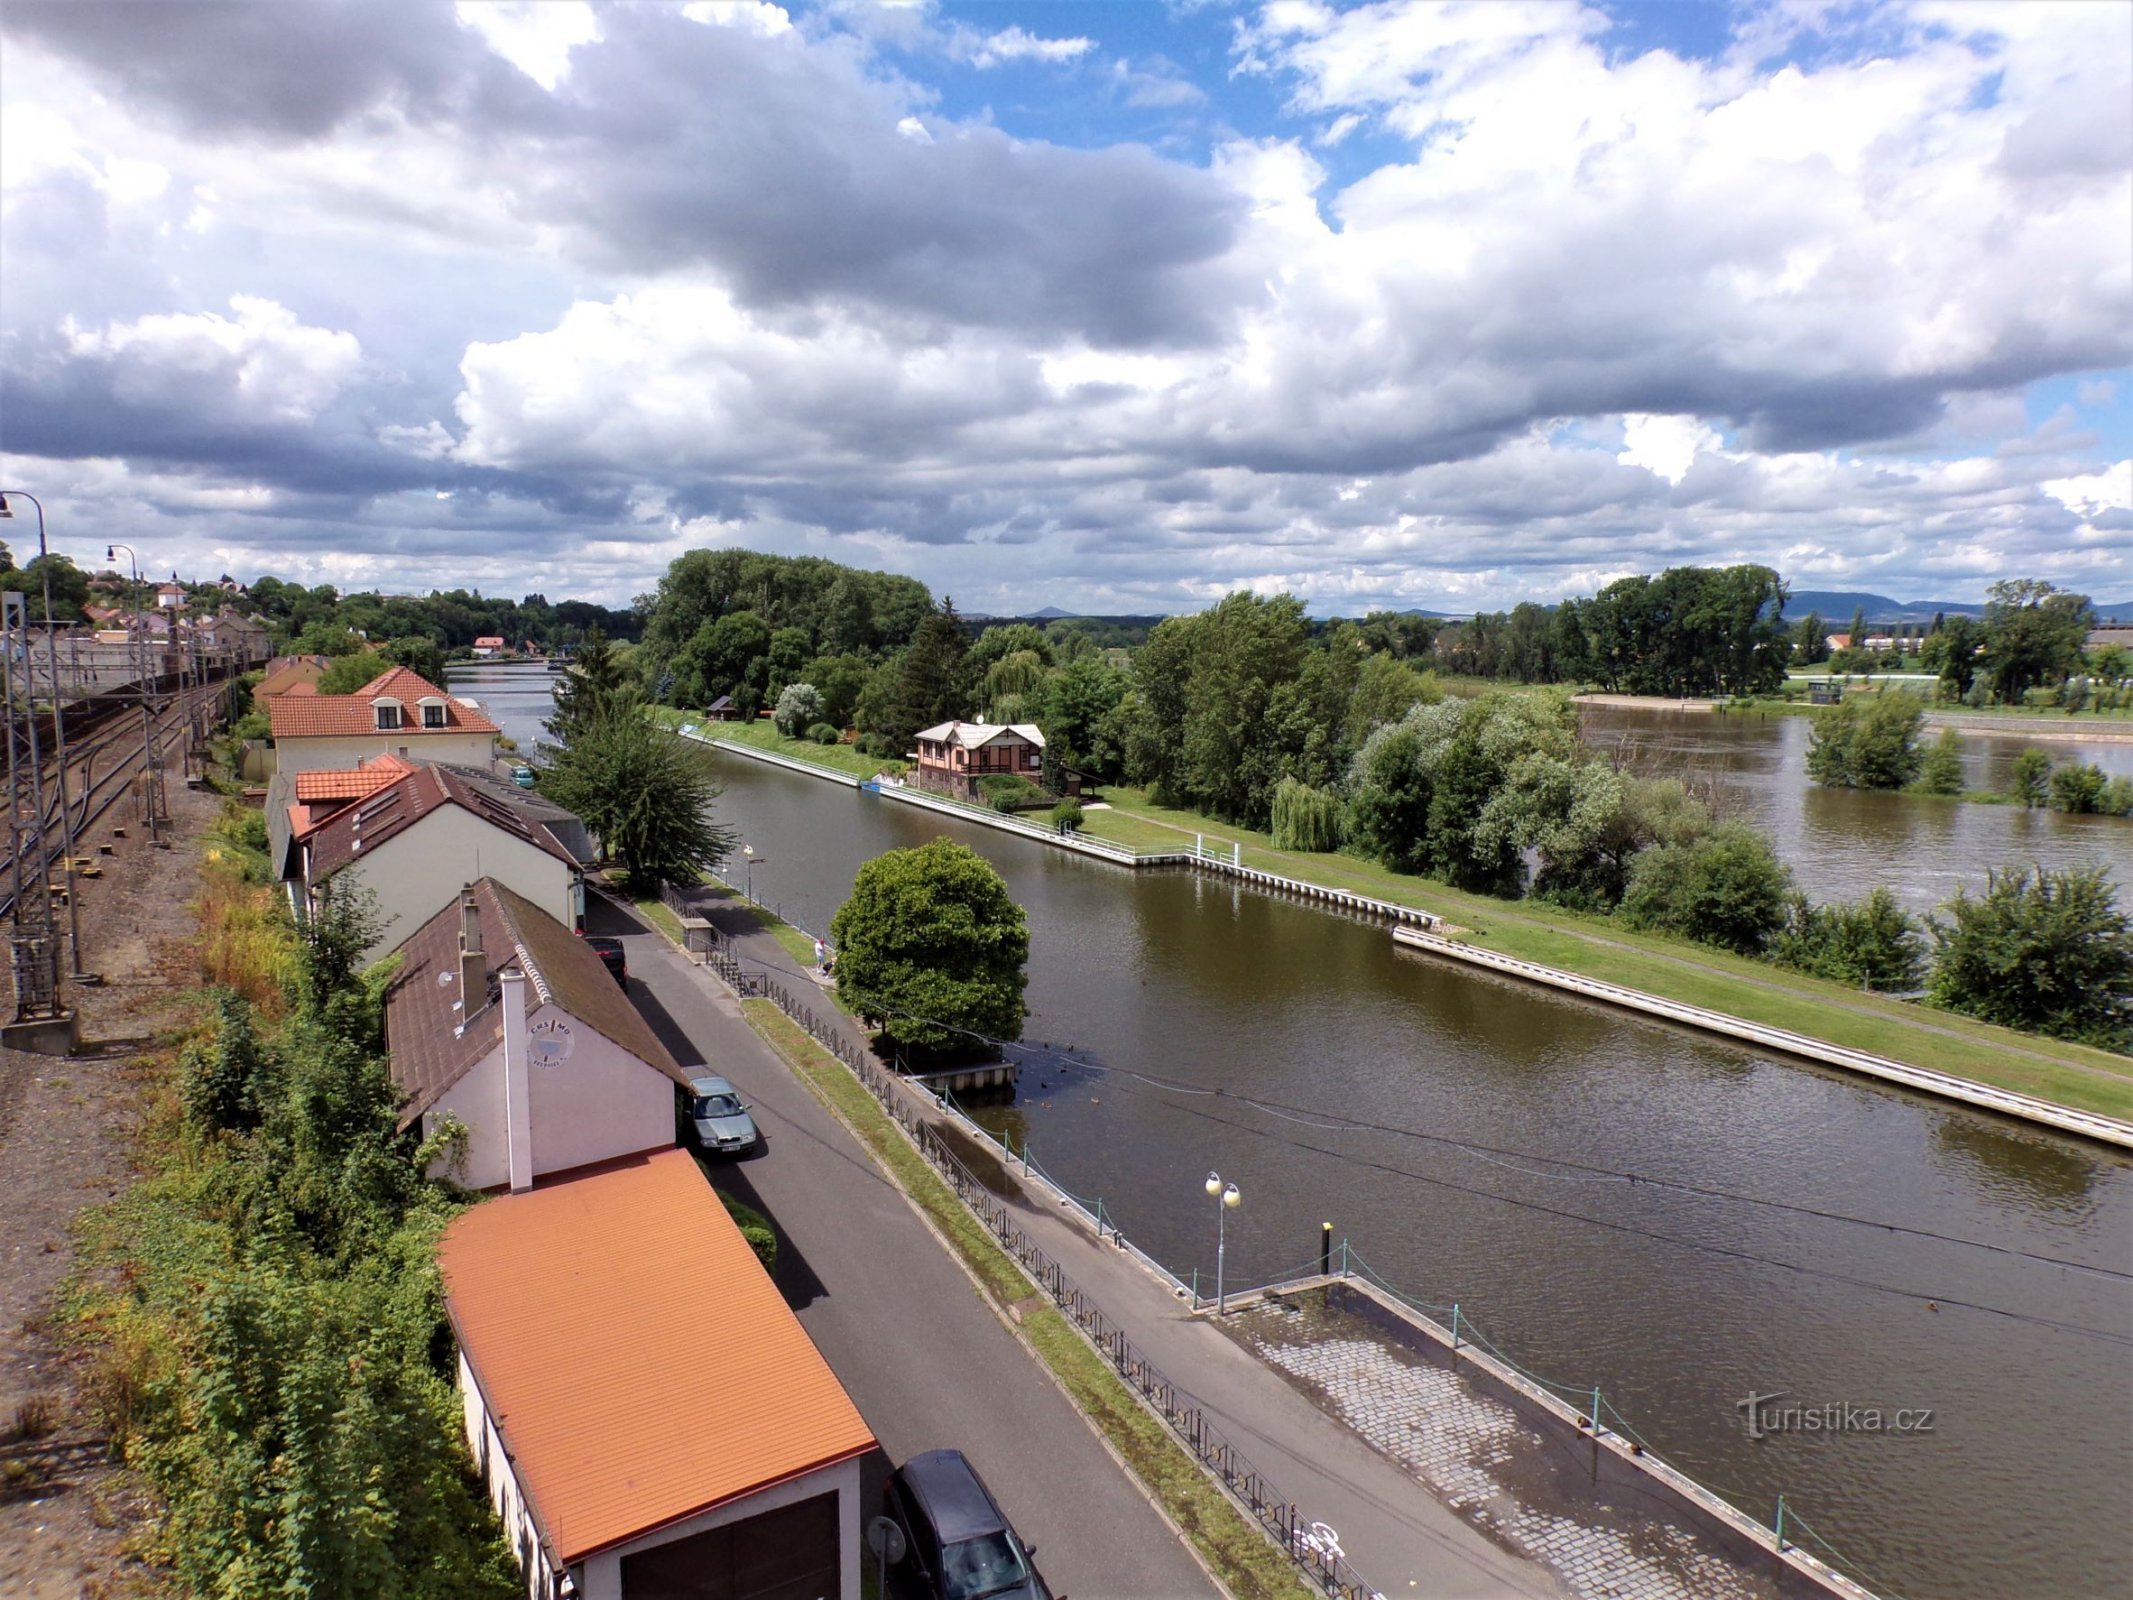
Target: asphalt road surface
{"type": "Point", "coordinates": [924, 1357]}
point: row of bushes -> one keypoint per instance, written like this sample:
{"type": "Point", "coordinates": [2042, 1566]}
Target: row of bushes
{"type": "Point", "coordinates": [263, 1307]}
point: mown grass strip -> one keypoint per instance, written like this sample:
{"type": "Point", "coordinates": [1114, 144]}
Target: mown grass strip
{"type": "Point", "coordinates": [1246, 1562]}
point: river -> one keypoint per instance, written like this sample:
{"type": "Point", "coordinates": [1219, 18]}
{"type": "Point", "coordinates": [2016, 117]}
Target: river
{"type": "Point", "coordinates": [1677, 1301]}
{"type": "Point", "coordinates": [1842, 842]}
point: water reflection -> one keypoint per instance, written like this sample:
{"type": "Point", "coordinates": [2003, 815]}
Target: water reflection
{"type": "Point", "coordinates": [1841, 842]}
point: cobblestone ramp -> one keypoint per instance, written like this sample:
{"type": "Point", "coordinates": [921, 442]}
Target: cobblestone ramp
{"type": "Point", "coordinates": [1487, 1462]}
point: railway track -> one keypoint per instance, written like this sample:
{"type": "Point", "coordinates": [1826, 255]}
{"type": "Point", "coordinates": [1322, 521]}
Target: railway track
{"type": "Point", "coordinates": [104, 758]}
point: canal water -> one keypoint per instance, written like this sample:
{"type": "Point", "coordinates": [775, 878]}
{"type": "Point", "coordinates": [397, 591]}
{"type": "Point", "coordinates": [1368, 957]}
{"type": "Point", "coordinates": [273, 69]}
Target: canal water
{"type": "Point", "coordinates": [1475, 1139]}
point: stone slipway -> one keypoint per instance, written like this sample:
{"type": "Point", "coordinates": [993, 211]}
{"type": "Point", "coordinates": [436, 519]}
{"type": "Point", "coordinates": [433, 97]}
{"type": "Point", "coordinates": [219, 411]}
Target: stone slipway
{"type": "Point", "coordinates": [1799, 1046]}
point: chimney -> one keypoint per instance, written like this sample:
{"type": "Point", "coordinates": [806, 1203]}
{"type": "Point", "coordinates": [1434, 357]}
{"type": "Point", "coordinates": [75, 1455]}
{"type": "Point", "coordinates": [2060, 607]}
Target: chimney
{"type": "Point", "coordinates": [518, 1111]}
{"type": "Point", "coordinates": [473, 960]}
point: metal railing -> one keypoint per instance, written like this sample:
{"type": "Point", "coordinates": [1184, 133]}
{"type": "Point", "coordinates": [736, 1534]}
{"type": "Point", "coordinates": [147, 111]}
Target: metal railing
{"type": "Point", "coordinates": [1304, 1541]}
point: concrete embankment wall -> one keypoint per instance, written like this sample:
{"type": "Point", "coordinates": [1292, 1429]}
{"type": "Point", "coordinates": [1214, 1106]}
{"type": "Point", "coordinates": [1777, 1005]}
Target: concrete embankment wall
{"type": "Point", "coordinates": [2089, 1125]}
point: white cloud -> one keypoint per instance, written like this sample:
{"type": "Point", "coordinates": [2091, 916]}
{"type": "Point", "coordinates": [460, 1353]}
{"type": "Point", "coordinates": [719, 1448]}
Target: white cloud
{"type": "Point", "coordinates": [983, 50]}
{"type": "Point", "coordinates": [755, 281]}
{"type": "Point", "coordinates": [271, 366]}
{"type": "Point", "coordinates": [536, 36]}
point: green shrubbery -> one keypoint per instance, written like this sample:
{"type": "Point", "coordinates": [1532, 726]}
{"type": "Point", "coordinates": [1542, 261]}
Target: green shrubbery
{"type": "Point", "coordinates": [824, 733]}
{"type": "Point", "coordinates": [1008, 791]}
{"type": "Point", "coordinates": [1868, 746]}
{"type": "Point", "coordinates": [1308, 819]}
{"type": "Point", "coordinates": [264, 1305]}
{"type": "Point", "coordinates": [1874, 944]}
{"type": "Point", "coordinates": [2049, 952]}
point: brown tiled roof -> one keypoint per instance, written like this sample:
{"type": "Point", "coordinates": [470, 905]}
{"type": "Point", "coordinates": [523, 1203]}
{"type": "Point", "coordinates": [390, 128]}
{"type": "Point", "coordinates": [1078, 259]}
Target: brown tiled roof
{"type": "Point", "coordinates": [342, 715]}
{"type": "Point", "coordinates": [428, 1057]}
{"type": "Point", "coordinates": [394, 808]}
{"type": "Point", "coordinates": [580, 1306]}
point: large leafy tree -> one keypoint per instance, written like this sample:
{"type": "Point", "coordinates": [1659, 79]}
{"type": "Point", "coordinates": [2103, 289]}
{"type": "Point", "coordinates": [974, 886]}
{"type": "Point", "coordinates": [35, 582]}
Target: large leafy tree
{"type": "Point", "coordinates": [596, 687]}
{"type": "Point", "coordinates": [2035, 633]}
{"type": "Point", "coordinates": [931, 951]}
{"type": "Point", "coordinates": [1869, 745]}
{"type": "Point", "coordinates": [2045, 951]}
{"type": "Point", "coordinates": [930, 684]}
{"type": "Point", "coordinates": [646, 792]}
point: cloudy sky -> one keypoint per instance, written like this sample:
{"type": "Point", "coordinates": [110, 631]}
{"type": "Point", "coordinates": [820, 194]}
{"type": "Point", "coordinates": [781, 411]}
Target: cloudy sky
{"type": "Point", "coordinates": [1107, 306]}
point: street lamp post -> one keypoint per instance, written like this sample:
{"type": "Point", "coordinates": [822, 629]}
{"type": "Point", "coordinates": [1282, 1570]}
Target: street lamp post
{"type": "Point", "coordinates": [749, 856]}
{"type": "Point", "coordinates": [141, 663]}
{"type": "Point", "coordinates": [1226, 1199]}
{"type": "Point", "coordinates": [59, 732]}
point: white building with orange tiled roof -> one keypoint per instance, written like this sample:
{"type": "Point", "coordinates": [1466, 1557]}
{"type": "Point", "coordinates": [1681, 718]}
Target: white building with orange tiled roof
{"type": "Point", "coordinates": [398, 711]}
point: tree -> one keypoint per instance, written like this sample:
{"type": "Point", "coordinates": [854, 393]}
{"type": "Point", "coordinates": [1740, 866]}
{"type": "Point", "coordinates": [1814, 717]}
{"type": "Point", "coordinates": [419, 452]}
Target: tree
{"type": "Point", "coordinates": [328, 637]}
{"type": "Point", "coordinates": [1875, 944]}
{"type": "Point", "coordinates": [1868, 746]}
{"type": "Point", "coordinates": [1728, 888]}
{"type": "Point", "coordinates": [929, 682]}
{"type": "Point", "coordinates": [418, 653]}
{"type": "Point", "coordinates": [2029, 778]}
{"type": "Point", "coordinates": [1078, 701]}
{"type": "Point", "coordinates": [931, 951]}
{"type": "Point", "coordinates": [647, 793]}
{"type": "Point", "coordinates": [1810, 642]}
{"type": "Point", "coordinates": [594, 688]}
{"type": "Point", "coordinates": [1306, 818]}
{"type": "Point", "coordinates": [799, 708]}
{"type": "Point", "coordinates": [69, 585]}
{"type": "Point", "coordinates": [838, 679]}
{"type": "Point", "coordinates": [2035, 633]}
{"type": "Point", "coordinates": [1856, 635]}
{"type": "Point", "coordinates": [1952, 650]}
{"type": "Point", "coordinates": [1941, 770]}
{"type": "Point", "coordinates": [347, 674]}
{"type": "Point", "coordinates": [2045, 951]}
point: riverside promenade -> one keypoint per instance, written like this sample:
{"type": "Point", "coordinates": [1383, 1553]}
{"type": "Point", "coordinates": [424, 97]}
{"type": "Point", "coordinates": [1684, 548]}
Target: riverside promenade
{"type": "Point", "coordinates": [1437, 1479]}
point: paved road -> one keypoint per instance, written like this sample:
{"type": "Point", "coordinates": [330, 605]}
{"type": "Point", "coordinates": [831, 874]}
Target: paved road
{"type": "Point", "coordinates": [926, 1360]}
{"type": "Point", "coordinates": [1398, 1535]}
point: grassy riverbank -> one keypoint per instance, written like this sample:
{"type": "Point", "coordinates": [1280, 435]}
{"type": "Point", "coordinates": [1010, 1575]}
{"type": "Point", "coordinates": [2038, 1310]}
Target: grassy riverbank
{"type": "Point", "coordinates": [1597, 947]}
{"type": "Point", "coordinates": [760, 734]}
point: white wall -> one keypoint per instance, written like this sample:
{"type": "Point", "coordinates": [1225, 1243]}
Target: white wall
{"type": "Point", "coordinates": [486, 1446]}
{"type": "Point", "coordinates": [601, 1103]}
{"type": "Point", "coordinates": [420, 870]}
{"type": "Point", "coordinates": [600, 1576]}
{"type": "Point", "coordinates": [341, 752]}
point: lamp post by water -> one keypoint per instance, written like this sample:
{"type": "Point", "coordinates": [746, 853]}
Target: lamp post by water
{"type": "Point", "coordinates": [749, 856]}
{"type": "Point", "coordinates": [1226, 1199]}
{"type": "Point", "coordinates": [59, 730]}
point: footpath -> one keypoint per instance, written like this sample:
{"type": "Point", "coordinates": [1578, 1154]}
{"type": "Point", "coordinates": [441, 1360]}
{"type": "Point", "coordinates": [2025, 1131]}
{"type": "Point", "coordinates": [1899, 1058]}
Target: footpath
{"type": "Point", "coordinates": [1426, 1484]}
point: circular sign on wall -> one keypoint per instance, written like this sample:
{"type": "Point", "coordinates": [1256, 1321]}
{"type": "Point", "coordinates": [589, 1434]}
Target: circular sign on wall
{"type": "Point", "coordinates": [550, 1041]}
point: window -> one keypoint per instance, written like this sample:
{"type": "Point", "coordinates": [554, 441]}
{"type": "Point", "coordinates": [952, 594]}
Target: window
{"type": "Point", "coordinates": [433, 715]}
{"type": "Point", "coordinates": [388, 714]}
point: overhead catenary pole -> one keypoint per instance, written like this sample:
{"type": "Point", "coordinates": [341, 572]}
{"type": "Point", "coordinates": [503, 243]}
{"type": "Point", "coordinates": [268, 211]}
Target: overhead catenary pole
{"type": "Point", "coordinates": [59, 742]}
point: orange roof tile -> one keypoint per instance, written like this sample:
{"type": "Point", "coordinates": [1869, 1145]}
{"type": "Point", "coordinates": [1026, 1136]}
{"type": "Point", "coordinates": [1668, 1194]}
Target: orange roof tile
{"type": "Point", "coordinates": [636, 1357]}
{"type": "Point", "coordinates": [352, 783]}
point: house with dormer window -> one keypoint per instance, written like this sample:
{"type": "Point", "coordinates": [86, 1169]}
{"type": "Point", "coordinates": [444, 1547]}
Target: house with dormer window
{"type": "Point", "coordinates": [399, 712]}
{"type": "Point", "coordinates": [407, 834]}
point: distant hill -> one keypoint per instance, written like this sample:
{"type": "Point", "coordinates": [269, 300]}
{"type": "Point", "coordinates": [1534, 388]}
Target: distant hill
{"type": "Point", "coordinates": [1837, 605]}
{"type": "Point", "coordinates": [1049, 614]}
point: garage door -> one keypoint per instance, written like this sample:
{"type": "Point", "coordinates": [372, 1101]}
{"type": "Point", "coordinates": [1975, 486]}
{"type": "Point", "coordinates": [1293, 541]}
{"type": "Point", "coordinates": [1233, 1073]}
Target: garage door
{"type": "Point", "coordinates": [787, 1554]}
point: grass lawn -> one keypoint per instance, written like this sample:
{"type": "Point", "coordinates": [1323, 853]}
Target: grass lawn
{"type": "Point", "coordinates": [1597, 947]}
{"type": "Point", "coordinates": [842, 758]}
{"type": "Point", "coordinates": [1248, 1564]}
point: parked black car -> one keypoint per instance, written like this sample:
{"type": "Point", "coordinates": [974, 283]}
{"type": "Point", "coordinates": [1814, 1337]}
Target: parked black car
{"type": "Point", "coordinates": [957, 1544]}
{"type": "Point", "coordinates": [609, 950]}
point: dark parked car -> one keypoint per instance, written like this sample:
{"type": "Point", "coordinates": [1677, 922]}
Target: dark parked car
{"type": "Point", "coordinates": [957, 1545]}
{"type": "Point", "coordinates": [609, 950]}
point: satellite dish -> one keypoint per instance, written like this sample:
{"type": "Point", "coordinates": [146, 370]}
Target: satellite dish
{"type": "Point", "coordinates": [886, 1540]}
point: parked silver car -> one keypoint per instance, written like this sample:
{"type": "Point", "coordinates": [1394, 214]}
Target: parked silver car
{"type": "Point", "coordinates": [719, 1116]}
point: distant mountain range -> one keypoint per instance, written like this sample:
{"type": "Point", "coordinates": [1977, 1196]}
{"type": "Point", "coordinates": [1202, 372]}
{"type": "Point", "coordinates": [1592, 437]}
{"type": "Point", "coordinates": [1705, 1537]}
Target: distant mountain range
{"type": "Point", "coordinates": [1836, 606]}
